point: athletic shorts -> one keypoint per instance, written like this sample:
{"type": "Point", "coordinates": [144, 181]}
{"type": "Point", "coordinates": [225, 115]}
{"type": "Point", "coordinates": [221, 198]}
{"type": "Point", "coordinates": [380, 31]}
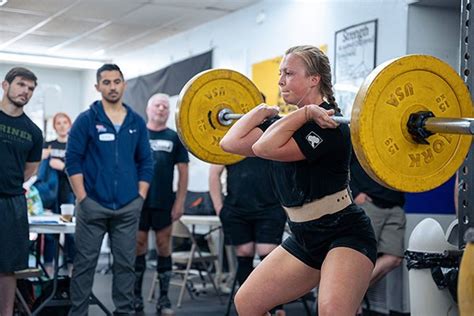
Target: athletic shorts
{"type": "Point", "coordinates": [14, 234]}
{"type": "Point", "coordinates": [154, 218]}
{"type": "Point", "coordinates": [311, 241]}
{"type": "Point", "coordinates": [243, 226]}
{"type": "Point", "coordinates": [389, 227]}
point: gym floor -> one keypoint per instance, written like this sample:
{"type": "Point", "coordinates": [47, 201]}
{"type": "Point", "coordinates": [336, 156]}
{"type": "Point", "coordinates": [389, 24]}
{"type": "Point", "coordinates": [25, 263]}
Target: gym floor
{"type": "Point", "coordinates": [204, 304]}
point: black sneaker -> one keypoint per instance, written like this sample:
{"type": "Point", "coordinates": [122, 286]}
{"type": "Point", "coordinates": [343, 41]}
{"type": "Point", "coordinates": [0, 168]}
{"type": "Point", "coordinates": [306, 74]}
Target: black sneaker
{"type": "Point", "coordinates": [138, 303]}
{"type": "Point", "coordinates": [163, 307]}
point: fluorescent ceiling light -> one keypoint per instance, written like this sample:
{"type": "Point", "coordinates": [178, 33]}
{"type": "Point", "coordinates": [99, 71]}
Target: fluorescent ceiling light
{"type": "Point", "coordinates": [100, 52]}
{"type": "Point", "coordinates": [51, 61]}
{"type": "Point", "coordinates": [2, 2]}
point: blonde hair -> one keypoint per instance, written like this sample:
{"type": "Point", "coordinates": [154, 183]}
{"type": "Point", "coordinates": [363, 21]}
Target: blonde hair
{"type": "Point", "coordinates": [58, 115]}
{"type": "Point", "coordinates": [317, 63]}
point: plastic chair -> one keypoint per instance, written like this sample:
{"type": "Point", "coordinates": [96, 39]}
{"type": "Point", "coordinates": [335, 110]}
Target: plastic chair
{"type": "Point", "coordinates": [187, 259]}
{"type": "Point", "coordinates": [20, 300]}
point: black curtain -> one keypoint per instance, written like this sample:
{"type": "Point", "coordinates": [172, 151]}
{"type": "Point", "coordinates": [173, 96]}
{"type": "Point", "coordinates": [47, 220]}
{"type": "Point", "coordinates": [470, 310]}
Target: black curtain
{"type": "Point", "coordinates": [169, 80]}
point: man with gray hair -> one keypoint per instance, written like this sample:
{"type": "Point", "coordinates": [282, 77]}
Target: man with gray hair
{"type": "Point", "coordinates": [161, 207]}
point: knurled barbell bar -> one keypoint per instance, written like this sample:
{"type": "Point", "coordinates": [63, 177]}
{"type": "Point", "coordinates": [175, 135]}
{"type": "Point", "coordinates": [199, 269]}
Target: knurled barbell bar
{"type": "Point", "coordinates": [420, 124]}
{"type": "Point", "coordinates": [410, 123]}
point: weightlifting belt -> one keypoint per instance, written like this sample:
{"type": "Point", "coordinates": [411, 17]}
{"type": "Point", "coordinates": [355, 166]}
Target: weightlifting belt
{"type": "Point", "coordinates": [313, 210]}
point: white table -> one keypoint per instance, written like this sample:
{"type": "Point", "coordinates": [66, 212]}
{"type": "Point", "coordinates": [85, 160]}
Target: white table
{"type": "Point", "coordinates": [52, 224]}
{"type": "Point", "coordinates": [211, 222]}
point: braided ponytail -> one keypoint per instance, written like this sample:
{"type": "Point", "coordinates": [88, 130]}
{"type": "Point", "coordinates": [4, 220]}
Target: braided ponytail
{"type": "Point", "coordinates": [328, 92]}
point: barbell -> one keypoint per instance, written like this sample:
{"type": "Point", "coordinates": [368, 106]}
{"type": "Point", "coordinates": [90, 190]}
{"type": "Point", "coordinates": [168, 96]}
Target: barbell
{"type": "Point", "coordinates": [411, 122]}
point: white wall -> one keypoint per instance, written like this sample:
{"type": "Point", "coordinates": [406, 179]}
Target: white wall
{"type": "Point", "coordinates": [90, 94]}
{"type": "Point", "coordinates": [426, 35]}
{"type": "Point", "coordinates": [62, 88]}
{"type": "Point", "coordinates": [58, 90]}
{"type": "Point", "coordinates": [238, 41]}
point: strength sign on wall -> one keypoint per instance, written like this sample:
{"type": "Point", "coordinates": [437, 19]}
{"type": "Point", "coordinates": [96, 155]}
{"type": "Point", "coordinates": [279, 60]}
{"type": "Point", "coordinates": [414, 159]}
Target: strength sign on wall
{"type": "Point", "coordinates": [355, 57]}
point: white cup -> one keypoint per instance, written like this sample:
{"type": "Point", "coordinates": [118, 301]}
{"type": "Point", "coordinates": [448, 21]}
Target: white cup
{"type": "Point", "coordinates": [67, 210]}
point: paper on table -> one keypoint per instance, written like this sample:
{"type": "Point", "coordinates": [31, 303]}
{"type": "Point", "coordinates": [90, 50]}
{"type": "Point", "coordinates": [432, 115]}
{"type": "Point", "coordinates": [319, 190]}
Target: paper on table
{"type": "Point", "coordinates": [45, 220]}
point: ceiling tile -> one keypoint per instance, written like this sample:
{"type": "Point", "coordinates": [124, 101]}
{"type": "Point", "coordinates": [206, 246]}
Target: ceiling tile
{"type": "Point", "coordinates": [140, 43]}
{"type": "Point", "coordinates": [18, 22]}
{"type": "Point", "coordinates": [117, 32]}
{"type": "Point", "coordinates": [38, 41]}
{"type": "Point", "coordinates": [6, 35]}
{"type": "Point", "coordinates": [83, 29]}
{"type": "Point", "coordinates": [153, 15]}
{"type": "Point", "coordinates": [186, 3]}
{"type": "Point", "coordinates": [232, 5]}
{"type": "Point", "coordinates": [103, 9]}
{"type": "Point", "coordinates": [50, 6]}
{"type": "Point", "coordinates": [79, 53]}
{"type": "Point", "coordinates": [86, 44]}
{"type": "Point", "coordinates": [67, 27]}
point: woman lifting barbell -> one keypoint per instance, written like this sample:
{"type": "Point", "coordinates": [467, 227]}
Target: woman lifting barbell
{"type": "Point", "coordinates": [333, 245]}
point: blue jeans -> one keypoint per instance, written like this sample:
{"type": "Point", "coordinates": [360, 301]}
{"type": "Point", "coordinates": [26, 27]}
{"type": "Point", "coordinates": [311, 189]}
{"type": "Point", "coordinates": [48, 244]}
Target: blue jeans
{"type": "Point", "coordinates": [69, 248]}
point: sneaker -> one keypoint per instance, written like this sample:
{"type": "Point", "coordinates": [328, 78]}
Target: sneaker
{"type": "Point", "coordinates": [163, 307]}
{"type": "Point", "coordinates": [138, 303]}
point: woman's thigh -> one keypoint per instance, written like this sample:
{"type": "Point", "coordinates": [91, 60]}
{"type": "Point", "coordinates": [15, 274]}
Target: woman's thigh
{"type": "Point", "coordinates": [345, 276]}
{"type": "Point", "coordinates": [278, 279]}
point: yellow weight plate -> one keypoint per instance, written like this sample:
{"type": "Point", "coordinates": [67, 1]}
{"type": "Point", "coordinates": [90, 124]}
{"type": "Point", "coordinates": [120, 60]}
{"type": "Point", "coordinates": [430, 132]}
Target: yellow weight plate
{"type": "Point", "coordinates": [379, 117]}
{"type": "Point", "coordinates": [199, 104]}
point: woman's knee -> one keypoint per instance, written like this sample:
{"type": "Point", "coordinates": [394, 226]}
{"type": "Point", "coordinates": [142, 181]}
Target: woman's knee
{"type": "Point", "coordinates": [334, 307]}
{"type": "Point", "coordinates": [241, 301]}
{"type": "Point", "coordinates": [247, 304]}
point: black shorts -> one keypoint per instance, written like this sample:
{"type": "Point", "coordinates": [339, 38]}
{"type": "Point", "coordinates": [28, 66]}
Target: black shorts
{"type": "Point", "coordinates": [14, 234]}
{"type": "Point", "coordinates": [311, 241]}
{"type": "Point", "coordinates": [243, 226]}
{"type": "Point", "coordinates": [154, 218]}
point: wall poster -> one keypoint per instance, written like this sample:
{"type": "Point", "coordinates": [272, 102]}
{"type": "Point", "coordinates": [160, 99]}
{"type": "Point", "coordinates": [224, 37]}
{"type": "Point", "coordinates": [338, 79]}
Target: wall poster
{"type": "Point", "coordinates": [355, 57]}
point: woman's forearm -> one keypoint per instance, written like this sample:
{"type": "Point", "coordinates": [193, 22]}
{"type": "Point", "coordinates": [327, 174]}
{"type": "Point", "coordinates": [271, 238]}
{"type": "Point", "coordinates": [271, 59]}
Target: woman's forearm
{"type": "Point", "coordinates": [245, 132]}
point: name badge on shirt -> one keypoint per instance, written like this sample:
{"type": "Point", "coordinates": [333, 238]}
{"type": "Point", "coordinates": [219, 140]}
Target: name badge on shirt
{"type": "Point", "coordinates": [161, 145]}
{"type": "Point", "coordinates": [107, 137]}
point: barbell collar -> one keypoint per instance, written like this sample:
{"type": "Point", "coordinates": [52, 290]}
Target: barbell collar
{"type": "Point", "coordinates": [416, 126]}
{"type": "Point", "coordinates": [224, 117]}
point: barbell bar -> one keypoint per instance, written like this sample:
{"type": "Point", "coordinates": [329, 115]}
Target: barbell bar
{"type": "Point", "coordinates": [431, 124]}
{"type": "Point", "coordinates": [227, 116]}
{"type": "Point", "coordinates": [411, 122]}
